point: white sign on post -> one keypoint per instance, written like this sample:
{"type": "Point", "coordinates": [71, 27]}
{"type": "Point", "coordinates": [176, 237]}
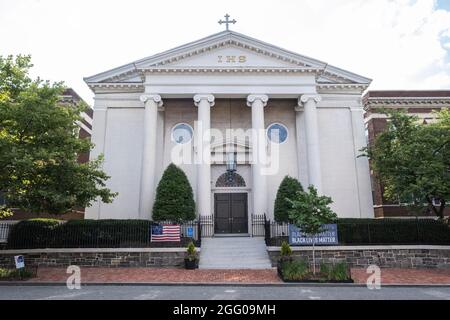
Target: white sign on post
{"type": "Point", "coordinates": [20, 262]}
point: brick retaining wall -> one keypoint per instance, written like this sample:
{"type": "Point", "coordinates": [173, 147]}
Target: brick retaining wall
{"type": "Point", "coordinates": [147, 257]}
{"type": "Point", "coordinates": [414, 257]}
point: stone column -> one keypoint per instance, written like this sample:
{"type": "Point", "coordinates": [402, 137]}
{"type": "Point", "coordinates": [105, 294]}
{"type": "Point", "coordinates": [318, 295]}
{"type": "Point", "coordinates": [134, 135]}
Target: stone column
{"type": "Point", "coordinates": [259, 153]}
{"type": "Point", "coordinates": [363, 184]}
{"type": "Point", "coordinates": [204, 102]}
{"type": "Point", "coordinates": [309, 103]}
{"type": "Point", "coordinates": [148, 171]}
{"type": "Point", "coordinates": [300, 136]}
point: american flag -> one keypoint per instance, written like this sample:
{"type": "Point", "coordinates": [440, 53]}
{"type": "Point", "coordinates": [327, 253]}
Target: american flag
{"type": "Point", "coordinates": [165, 232]}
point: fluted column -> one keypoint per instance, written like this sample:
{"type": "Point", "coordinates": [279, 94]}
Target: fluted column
{"type": "Point", "coordinates": [148, 171]}
{"type": "Point", "coordinates": [309, 103]}
{"type": "Point", "coordinates": [259, 153]}
{"type": "Point", "coordinates": [204, 102]}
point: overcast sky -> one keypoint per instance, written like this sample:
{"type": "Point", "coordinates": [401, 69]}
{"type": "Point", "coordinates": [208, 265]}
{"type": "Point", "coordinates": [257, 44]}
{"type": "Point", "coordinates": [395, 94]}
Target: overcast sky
{"type": "Point", "coordinates": [401, 44]}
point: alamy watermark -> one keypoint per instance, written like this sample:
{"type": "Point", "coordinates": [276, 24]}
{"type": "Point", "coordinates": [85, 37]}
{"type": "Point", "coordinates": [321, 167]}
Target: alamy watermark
{"type": "Point", "coordinates": [374, 280]}
{"type": "Point", "coordinates": [212, 146]}
{"type": "Point", "coordinates": [74, 280]}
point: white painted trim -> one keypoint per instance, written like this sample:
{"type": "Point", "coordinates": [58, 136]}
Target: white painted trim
{"type": "Point", "coordinates": [85, 128]}
{"type": "Point", "coordinates": [87, 118]}
{"type": "Point", "coordinates": [375, 115]}
{"type": "Point", "coordinates": [361, 248]}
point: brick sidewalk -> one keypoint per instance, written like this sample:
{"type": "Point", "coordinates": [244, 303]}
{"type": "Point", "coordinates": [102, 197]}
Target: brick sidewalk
{"type": "Point", "coordinates": [153, 275]}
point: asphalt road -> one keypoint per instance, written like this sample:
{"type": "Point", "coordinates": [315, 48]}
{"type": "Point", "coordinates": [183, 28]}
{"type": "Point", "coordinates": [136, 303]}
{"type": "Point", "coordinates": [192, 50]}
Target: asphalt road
{"type": "Point", "coordinates": [222, 293]}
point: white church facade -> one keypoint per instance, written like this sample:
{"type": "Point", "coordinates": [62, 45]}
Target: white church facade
{"type": "Point", "coordinates": [236, 115]}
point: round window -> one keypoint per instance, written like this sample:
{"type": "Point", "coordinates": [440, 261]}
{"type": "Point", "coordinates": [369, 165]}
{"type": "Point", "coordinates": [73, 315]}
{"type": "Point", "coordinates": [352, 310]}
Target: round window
{"type": "Point", "coordinates": [277, 133]}
{"type": "Point", "coordinates": [182, 133]}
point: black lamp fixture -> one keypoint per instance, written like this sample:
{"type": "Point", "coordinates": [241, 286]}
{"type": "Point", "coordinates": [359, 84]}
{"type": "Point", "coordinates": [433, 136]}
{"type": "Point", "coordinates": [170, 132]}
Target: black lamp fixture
{"type": "Point", "coordinates": [231, 165]}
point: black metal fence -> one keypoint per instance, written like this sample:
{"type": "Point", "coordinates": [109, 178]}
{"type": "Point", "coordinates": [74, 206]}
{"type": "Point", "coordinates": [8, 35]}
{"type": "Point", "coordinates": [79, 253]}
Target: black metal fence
{"type": "Point", "coordinates": [207, 225]}
{"type": "Point", "coordinates": [96, 234]}
{"type": "Point", "coordinates": [374, 231]}
{"type": "Point", "coordinates": [258, 225]}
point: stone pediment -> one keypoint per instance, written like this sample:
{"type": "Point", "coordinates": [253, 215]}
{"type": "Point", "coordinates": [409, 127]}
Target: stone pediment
{"type": "Point", "coordinates": [226, 51]}
{"type": "Point", "coordinates": [232, 56]}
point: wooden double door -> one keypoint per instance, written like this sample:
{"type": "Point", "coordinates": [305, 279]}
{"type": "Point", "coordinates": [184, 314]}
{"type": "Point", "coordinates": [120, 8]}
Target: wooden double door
{"type": "Point", "coordinates": [230, 213]}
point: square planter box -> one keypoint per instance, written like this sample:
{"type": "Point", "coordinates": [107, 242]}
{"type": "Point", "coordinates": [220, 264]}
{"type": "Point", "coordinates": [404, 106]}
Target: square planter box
{"type": "Point", "coordinates": [191, 264]}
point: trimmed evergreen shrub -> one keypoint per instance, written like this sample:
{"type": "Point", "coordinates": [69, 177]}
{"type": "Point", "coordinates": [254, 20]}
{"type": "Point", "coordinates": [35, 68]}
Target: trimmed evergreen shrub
{"type": "Point", "coordinates": [287, 189]}
{"type": "Point", "coordinates": [38, 232]}
{"type": "Point", "coordinates": [174, 197]}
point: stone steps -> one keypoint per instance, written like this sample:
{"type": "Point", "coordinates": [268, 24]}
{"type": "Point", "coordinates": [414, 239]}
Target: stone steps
{"type": "Point", "coordinates": [234, 253]}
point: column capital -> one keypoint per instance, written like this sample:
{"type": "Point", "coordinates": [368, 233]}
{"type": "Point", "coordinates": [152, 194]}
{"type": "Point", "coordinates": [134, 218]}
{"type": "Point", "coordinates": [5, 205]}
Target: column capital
{"type": "Point", "coordinates": [306, 97]}
{"type": "Point", "coordinates": [208, 97]}
{"type": "Point", "coordinates": [253, 97]}
{"type": "Point", "coordinates": [156, 98]}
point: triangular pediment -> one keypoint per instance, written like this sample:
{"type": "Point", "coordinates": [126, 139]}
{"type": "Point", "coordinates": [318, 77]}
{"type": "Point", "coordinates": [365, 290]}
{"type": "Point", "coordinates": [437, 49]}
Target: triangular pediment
{"type": "Point", "coordinates": [227, 50]}
{"type": "Point", "coordinates": [230, 56]}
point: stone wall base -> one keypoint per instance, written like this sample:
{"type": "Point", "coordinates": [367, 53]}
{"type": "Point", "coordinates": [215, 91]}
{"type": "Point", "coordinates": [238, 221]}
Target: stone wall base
{"type": "Point", "coordinates": [110, 259]}
{"type": "Point", "coordinates": [383, 257]}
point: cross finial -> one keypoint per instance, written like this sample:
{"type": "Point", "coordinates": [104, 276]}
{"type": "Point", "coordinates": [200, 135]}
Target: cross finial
{"type": "Point", "coordinates": [227, 21]}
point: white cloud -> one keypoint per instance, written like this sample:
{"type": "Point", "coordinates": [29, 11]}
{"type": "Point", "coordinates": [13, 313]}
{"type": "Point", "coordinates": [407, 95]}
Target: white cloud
{"type": "Point", "coordinates": [401, 44]}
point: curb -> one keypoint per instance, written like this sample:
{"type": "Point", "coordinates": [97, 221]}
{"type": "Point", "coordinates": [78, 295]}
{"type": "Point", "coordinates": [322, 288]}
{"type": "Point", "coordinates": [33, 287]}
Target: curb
{"type": "Point", "coordinates": [219, 284]}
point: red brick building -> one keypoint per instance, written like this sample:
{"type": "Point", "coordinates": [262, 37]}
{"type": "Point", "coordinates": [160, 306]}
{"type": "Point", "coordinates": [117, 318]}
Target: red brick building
{"type": "Point", "coordinates": [420, 103]}
{"type": "Point", "coordinates": [71, 97]}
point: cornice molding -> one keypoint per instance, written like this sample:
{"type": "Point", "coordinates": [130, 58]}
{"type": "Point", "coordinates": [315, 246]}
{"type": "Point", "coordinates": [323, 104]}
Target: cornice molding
{"type": "Point", "coordinates": [408, 101]}
{"type": "Point", "coordinates": [194, 70]}
{"type": "Point", "coordinates": [123, 86]}
{"type": "Point", "coordinates": [331, 86]}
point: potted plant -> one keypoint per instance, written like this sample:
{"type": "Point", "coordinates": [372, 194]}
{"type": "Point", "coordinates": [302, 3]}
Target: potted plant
{"type": "Point", "coordinates": [285, 255]}
{"type": "Point", "coordinates": [191, 259]}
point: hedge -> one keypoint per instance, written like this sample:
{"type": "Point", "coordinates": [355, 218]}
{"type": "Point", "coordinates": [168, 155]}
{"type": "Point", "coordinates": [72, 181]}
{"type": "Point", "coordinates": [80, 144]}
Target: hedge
{"type": "Point", "coordinates": [50, 233]}
{"type": "Point", "coordinates": [393, 231]}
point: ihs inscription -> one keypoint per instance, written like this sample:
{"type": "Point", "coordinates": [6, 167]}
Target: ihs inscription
{"type": "Point", "coordinates": [231, 59]}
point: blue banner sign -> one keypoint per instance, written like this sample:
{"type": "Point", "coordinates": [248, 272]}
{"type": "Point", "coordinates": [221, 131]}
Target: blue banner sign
{"type": "Point", "coordinates": [327, 237]}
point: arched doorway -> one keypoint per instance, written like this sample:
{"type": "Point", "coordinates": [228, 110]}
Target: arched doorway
{"type": "Point", "coordinates": [231, 208]}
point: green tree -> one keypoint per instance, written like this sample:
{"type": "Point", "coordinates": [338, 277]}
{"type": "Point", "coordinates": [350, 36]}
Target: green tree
{"type": "Point", "coordinates": [412, 160]}
{"type": "Point", "coordinates": [310, 212]}
{"type": "Point", "coordinates": [174, 197]}
{"type": "Point", "coordinates": [39, 146]}
{"type": "Point", "coordinates": [287, 189]}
